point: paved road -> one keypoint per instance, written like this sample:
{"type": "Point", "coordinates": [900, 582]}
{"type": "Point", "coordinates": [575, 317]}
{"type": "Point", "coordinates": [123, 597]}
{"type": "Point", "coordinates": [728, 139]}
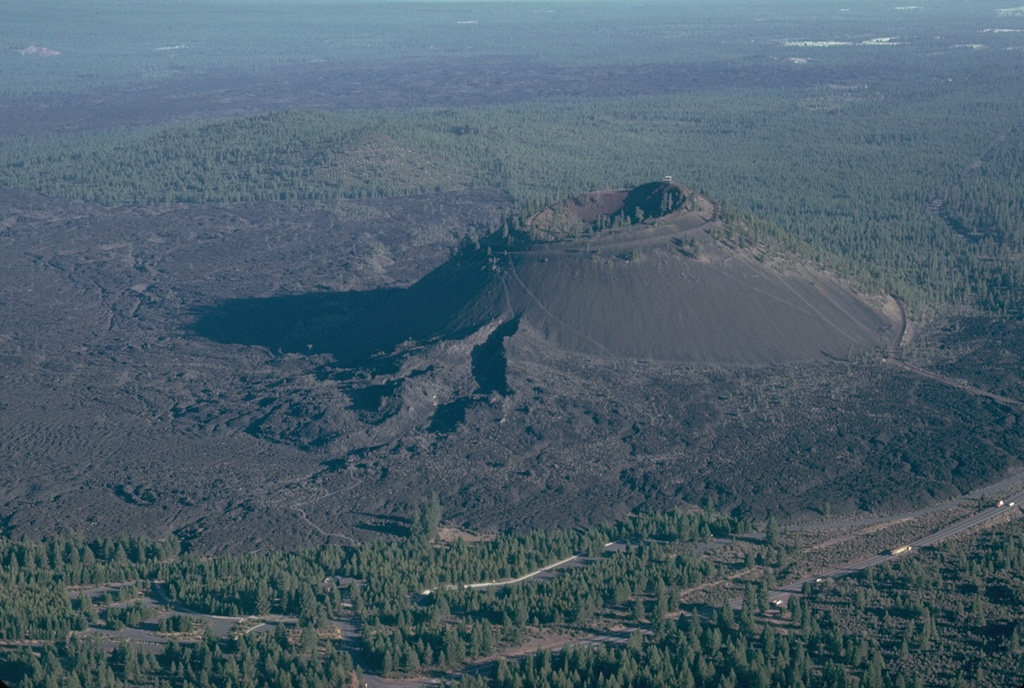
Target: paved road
{"type": "Point", "coordinates": [520, 579]}
{"type": "Point", "coordinates": [941, 506]}
{"type": "Point", "coordinates": [1010, 504]}
{"type": "Point", "coordinates": [504, 581]}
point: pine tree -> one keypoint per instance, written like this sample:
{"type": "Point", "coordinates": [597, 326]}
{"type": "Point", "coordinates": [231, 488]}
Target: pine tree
{"type": "Point", "coordinates": [432, 517]}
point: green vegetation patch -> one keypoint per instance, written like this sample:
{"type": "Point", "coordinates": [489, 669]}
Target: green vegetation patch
{"type": "Point", "coordinates": [851, 171]}
{"type": "Point", "coordinates": [945, 616]}
{"type": "Point", "coordinates": [289, 155]}
{"type": "Point", "coordinates": [950, 616]}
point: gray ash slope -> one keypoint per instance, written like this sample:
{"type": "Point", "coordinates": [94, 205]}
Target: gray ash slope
{"type": "Point", "coordinates": [666, 289]}
{"type": "Point", "coordinates": [586, 279]}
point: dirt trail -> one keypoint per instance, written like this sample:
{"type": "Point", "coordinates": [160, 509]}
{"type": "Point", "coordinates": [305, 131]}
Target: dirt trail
{"type": "Point", "coordinates": [297, 507]}
{"type": "Point", "coordinates": [551, 315]}
{"type": "Point", "coordinates": [897, 360]}
{"type": "Point", "coordinates": [342, 536]}
{"type": "Point", "coordinates": [959, 384]}
{"type": "Point", "coordinates": [634, 237]}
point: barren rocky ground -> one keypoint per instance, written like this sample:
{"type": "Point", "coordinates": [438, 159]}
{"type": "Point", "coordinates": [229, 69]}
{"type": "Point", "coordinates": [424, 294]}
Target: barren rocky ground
{"type": "Point", "coordinates": [111, 410]}
{"type": "Point", "coordinates": [121, 412]}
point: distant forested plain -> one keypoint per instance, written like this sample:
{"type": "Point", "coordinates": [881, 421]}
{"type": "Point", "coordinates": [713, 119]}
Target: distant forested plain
{"type": "Point", "coordinates": [886, 143]}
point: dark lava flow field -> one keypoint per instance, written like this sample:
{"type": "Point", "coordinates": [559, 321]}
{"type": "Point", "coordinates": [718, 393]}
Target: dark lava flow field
{"type": "Point", "coordinates": [254, 375]}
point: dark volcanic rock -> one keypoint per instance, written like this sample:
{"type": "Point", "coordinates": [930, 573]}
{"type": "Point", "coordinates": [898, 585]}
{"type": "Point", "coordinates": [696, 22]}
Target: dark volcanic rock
{"type": "Point", "coordinates": [662, 289]}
